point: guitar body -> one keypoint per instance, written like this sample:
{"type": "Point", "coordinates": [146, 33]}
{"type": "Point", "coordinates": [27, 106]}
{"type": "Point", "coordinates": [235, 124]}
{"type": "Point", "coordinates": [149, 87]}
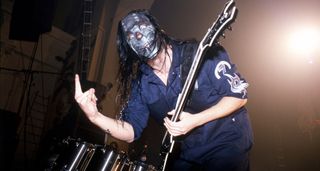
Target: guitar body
{"type": "Point", "coordinates": [222, 23]}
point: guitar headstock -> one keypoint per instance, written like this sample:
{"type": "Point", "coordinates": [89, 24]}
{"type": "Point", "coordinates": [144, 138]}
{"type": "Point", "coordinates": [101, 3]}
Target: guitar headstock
{"type": "Point", "coordinates": [223, 22]}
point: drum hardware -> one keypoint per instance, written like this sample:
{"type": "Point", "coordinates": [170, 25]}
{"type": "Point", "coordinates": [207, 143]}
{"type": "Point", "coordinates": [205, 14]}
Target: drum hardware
{"type": "Point", "coordinates": [72, 153]}
{"type": "Point", "coordinates": [78, 155]}
{"type": "Point", "coordinates": [105, 158]}
{"type": "Point", "coordinates": [86, 160]}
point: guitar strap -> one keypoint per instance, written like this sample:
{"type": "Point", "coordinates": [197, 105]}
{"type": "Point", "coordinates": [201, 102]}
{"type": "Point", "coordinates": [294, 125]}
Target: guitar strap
{"type": "Point", "coordinates": [188, 51]}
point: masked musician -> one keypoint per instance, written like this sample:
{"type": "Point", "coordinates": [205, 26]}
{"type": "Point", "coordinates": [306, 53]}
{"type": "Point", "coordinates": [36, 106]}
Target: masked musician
{"type": "Point", "coordinates": [153, 69]}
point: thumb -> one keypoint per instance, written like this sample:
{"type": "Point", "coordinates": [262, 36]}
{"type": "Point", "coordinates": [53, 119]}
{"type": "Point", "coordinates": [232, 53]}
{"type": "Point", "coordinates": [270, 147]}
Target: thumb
{"type": "Point", "coordinates": [171, 112]}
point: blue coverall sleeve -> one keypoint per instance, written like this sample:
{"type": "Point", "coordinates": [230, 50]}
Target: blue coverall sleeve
{"type": "Point", "coordinates": [136, 112]}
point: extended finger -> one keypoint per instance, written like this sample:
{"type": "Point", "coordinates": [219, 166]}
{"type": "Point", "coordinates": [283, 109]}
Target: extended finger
{"type": "Point", "coordinates": [78, 89]}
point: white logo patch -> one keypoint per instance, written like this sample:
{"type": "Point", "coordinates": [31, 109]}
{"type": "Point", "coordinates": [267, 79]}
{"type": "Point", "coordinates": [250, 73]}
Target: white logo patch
{"type": "Point", "coordinates": [236, 84]}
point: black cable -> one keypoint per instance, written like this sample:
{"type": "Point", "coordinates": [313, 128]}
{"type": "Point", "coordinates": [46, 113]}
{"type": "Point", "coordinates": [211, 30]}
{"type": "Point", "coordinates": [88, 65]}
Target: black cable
{"type": "Point", "coordinates": [27, 85]}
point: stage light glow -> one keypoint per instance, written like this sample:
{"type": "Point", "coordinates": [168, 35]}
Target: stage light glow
{"type": "Point", "coordinates": [305, 43]}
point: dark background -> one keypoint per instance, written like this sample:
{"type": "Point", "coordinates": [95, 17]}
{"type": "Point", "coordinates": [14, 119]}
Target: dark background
{"type": "Point", "coordinates": [284, 100]}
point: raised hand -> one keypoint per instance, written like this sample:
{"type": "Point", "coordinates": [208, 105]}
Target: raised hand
{"type": "Point", "coordinates": [87, 100]}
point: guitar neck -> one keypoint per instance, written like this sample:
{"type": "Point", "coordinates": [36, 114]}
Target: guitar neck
{"type": "Point", "coordinates": [189, 83]}
{"type": "Point", "coordinates": [222, 23]}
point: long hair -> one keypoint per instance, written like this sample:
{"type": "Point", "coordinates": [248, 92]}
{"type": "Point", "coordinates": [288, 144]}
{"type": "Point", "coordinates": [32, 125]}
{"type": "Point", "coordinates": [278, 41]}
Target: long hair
{"type": "Point", "coordinates": [129, 61]}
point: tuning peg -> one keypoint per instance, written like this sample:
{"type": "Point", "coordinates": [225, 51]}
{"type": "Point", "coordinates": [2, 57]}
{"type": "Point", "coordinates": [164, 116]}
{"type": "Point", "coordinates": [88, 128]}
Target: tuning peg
{"type": "Point", "coordinates": [223, 35]}
{"type": "Point", "coordinates": [229, 28]}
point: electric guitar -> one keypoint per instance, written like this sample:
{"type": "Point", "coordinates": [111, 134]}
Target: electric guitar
{"type": "Point", "coordinates": [223, 22]}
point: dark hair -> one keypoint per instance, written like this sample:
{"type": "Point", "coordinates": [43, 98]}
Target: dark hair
{"type": "Point", "coordinates": [129, 60]}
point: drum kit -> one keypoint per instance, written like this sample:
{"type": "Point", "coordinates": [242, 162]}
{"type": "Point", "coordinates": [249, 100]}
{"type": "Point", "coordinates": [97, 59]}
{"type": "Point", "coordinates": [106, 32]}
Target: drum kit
{"type": "Point", "coordinates": [78, 155]}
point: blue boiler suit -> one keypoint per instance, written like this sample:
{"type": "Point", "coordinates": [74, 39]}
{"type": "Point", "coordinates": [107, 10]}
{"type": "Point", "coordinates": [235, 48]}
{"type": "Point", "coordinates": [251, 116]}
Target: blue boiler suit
{"type": "Point", "coordinates": [221, 144]}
